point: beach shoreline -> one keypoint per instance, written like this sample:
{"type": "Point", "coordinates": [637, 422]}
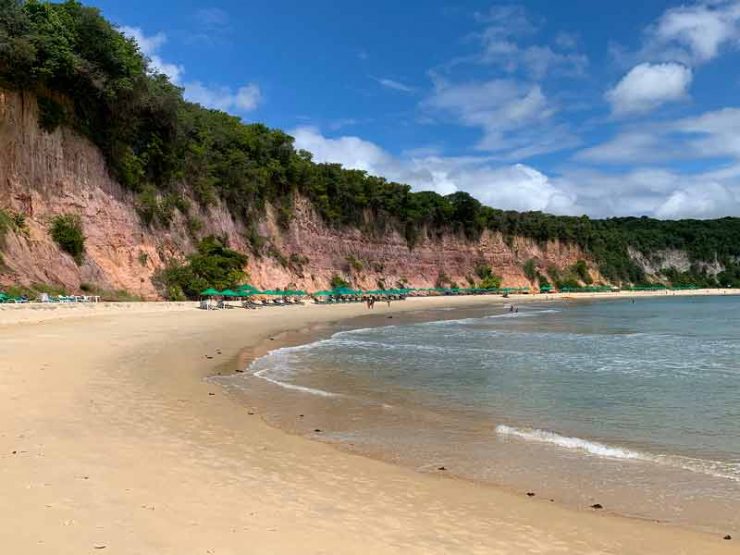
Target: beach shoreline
{"type": "Point", "coordinates": [113, 437]}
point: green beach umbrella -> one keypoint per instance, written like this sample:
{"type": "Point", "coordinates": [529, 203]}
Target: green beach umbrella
{"type": "Point", "coordinates": [210, 292]}
{"type": "Point", "coordinates": [228, 293]}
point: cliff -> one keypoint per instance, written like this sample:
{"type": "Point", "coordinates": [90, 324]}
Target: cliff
{"type": "Point", "coordinates": [43, 175]}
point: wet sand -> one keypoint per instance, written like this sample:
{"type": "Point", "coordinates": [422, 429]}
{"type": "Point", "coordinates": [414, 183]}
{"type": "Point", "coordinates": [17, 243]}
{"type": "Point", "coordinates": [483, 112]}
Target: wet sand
{"type": "Point", "coordinates": [112, 439]}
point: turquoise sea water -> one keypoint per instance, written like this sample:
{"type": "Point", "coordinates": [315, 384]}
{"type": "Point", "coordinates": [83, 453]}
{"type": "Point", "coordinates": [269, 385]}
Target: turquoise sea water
{"type": "Point", "coordinates": [607, 400]}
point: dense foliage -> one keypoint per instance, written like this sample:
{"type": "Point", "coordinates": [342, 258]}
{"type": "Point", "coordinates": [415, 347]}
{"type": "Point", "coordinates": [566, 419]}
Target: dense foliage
{"type": "Point", "coordinates": [212, 265]}
{"type": "Point", "coordinates": [66, 230]}
{"type": "Point", "coordinates": [88, 75]}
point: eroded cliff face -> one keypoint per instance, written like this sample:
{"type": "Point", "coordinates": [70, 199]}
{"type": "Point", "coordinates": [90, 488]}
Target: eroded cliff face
{"type": "Point", "coordinates": [671, 259]}
{"type": "Point", "coordinates": [47, 174]}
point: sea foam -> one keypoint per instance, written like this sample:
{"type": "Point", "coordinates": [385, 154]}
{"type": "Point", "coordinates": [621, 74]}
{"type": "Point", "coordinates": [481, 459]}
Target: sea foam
{"type": "Point", "coordinates": [718, 469]}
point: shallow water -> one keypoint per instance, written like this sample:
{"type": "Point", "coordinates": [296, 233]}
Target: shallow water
{"type": "Point", "coordinates": [632, 405]}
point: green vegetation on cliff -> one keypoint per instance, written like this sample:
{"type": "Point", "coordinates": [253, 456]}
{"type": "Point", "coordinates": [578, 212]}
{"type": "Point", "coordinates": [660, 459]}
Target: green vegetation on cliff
{"type": "Point", "coordinates": [89, 76]}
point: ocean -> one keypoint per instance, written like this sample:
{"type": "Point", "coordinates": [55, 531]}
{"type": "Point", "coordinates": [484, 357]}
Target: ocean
{"type": "Point", "coordinates": [632, 405]}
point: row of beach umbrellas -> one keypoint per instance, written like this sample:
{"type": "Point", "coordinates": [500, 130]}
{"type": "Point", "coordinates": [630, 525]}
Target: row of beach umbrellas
{"type": "Point", "coordinates": [250, 290]}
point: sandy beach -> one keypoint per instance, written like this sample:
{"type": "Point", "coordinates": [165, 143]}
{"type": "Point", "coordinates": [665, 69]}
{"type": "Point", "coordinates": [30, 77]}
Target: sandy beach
{"type": "Point", "coordinates": [112, 441]}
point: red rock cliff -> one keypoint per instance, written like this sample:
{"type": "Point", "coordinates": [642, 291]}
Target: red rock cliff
{"type": "Point", "coordinates": [46, 174]}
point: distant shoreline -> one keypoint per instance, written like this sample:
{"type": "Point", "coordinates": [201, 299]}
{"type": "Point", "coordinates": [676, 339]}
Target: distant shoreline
{"type": "Point", "coordinates": [11, 313]}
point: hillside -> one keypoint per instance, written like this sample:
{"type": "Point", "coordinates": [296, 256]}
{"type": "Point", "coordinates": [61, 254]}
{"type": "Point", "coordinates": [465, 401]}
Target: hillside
{"type": "Point", "coordinates": [87, 132]}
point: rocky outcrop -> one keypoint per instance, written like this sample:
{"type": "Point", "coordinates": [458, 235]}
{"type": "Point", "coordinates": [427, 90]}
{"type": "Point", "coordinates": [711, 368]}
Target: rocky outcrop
{"type": "Point", "coordinates": [667, 259]}
{"type": "Point", "coordinates": [46, 174]}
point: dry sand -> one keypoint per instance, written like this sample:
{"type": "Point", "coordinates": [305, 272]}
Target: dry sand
{"type": "Point", "coordinates": [111, 441]}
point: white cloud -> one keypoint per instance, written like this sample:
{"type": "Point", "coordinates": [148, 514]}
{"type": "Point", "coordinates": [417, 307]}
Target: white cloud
{"type": "Point", "coordinates": [219, 97]}
{"type": "Point", "coordinates": [516, 187]}
{"type": "Point", "coordinates": [711, 135]}
{"type": "Point", "coordinates": [696, 33]}
{"type": "Point", "coordinates": [654, 192]}
{"type": "Point", "coordinates": [395, 85]}
{"type": "Point", "coordinates": [648, 86]}
{"type": "Point", "coordinates": [700, 200]}
{"type": "Point", "coordinates": [629, 146]}
{"type": "Point", "coordinates": [506, 27]}
{"type": "Point", "coordinates": [149, 46]}
{"type": "Point", "coordinates": [641, 191]}
{"type": "Point", "coordinates": [497, 107]}
{"type": "Point", "coordinates": [248, 97]}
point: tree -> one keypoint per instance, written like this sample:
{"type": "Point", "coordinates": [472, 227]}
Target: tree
{"type": "Point", "coordinates": [212, 265]}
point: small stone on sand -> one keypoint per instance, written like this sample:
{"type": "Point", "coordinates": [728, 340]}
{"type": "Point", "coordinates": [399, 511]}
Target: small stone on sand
{"type": "Point", "coordinates": [209, 393]}
{"type": "Point", "coordinates": [530, 494]}
{"type": "Point", "coordinates": [597, 506]}
{"type": "Point", "coordinates": [442, 468]}
{"type": "Point", "coordinates": [317, 430]}
{"type": "Point", "coordinates": [727, 537]}
{"type": "Point", "coordinates": [238, 370]}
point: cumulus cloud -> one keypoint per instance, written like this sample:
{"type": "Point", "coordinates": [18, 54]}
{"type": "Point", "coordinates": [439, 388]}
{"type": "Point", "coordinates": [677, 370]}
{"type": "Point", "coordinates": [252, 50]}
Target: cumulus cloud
{"type": "Point", "coordinates": [700, 200]}
{"type": "Point", "coordinates": [696, 33]}
{"type": "Point", "coordinates": [149, 46]}
{"type": "Point", "coordinates": [219, 97]}
{"type": "Point", "coordinates": [654, 192]}
{"type": "Point", "coordinates": [515, 187]}
{"type": "Point", "coordinates": [641, 191]}
{"type": "Point", "coordinates": [648, 86]}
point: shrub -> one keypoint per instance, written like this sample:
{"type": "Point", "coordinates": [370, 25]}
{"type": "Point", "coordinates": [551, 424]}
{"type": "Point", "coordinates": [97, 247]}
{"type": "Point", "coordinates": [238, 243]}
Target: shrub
{"type": "Point", "coordinates": [212, 265]}
{"type": "Point", "coordinates": [256, 241]}
{"type": "Point", "coordinates": [483, 270]}
{"type": "Point", "coordinates": [66, 230]}
{"type": "Point", "coordinates": [580, 269]}
{"type": "Point", "coordinates": [530, 269]}
{"type": "Point", "coordinates": [51, 114]}
{"type": "Point", "coordinates": [338, 281]}
{"type": "Point", "coordinates": [12, 221]}
{"type": "Point", "coordinates": [442, 280]}
{"type": "Point", "coordinates": [355, 263]}
{"type": "Point", "coordinates": [491, 282]}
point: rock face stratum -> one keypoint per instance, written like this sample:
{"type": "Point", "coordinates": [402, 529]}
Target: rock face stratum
{"type": "Point", "coordinates": [47, 174]}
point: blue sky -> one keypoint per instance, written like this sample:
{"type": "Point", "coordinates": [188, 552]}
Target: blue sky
{"type": "Point", "coordinates": [605, 108]}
